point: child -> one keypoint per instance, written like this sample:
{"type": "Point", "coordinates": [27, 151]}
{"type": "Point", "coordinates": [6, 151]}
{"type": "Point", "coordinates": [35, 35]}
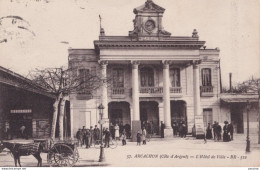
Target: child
{"type": "Point", "coordinates": [138, 136]}
{"type": "Point", "coordinates": [123, 136]}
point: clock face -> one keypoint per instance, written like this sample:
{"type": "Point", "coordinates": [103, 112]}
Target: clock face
{"type": "Point", "coordinates": [149, 25]}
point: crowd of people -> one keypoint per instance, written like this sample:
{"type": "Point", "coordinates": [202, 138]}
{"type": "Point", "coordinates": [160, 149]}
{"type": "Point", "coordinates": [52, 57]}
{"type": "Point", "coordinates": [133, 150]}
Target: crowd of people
{"type": "Point", "coordinates": [228, 130]}
{"type": "Point", "coordinates": [122, 132]}
{"type": "Point", "coordinates": [88, 137]}
{"type": "Point", "coordinates": [179, 129]}
{"type": "Point", "coordinates": [118, 129]}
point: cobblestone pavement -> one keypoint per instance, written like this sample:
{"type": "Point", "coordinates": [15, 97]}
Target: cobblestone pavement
{"type": "Point", "coordinates": [163, 152]}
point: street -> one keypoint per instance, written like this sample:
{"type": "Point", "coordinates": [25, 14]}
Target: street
{"type": "Point", "coordinates": [174, 152]}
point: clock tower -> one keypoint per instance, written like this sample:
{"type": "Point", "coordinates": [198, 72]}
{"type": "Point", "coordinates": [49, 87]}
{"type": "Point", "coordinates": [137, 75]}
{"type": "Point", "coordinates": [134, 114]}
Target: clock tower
{"type": "Point", "coordinates": [148, 22]}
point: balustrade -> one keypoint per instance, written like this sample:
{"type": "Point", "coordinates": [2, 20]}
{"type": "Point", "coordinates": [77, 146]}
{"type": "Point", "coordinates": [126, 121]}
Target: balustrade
{"type": "Point", "coordinates": [206, 90]}
{"type": "Point", "coordinates": [151, 90]}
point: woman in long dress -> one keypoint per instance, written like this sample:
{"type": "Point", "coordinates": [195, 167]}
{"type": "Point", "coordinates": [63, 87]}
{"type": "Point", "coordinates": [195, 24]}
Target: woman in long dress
{"type": "Point", "coordinates": [144, 133]}
{"type": "Point", "coordinates": [209, 132]}
{"type": "Point", "coordinates": [116, 132]}
{"type": "Point", "coordinates": [226, 137]}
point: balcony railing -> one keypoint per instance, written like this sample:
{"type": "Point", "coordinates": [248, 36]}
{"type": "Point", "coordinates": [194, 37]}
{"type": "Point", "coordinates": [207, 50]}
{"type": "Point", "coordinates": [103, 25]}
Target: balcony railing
{"type": "Point", "coordinates": [206, 90]}
{"type": "Point", "coordinates": [176, 90]}
{"type": "Point", "coordinates": [151, 90]}
{"type": "Point", "coordinates": [118, 92]}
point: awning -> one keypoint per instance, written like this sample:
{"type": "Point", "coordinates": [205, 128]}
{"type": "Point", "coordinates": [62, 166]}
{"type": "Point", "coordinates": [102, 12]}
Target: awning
{"type": "Point", "coordinates": [239, 98]}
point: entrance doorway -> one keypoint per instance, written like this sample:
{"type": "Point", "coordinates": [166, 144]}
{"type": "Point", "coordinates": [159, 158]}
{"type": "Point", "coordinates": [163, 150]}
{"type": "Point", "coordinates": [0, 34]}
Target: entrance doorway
{"type": "Point", "coordinates": [119, 113]}
{"type": "Point", "coordinates": [237, 117]}
{"type": "Point", "coordinates": [16, 121]}
{"type": "Point", "coordinates": [149, 112]}
{"type": "Point", "coordinates": [178, 112]}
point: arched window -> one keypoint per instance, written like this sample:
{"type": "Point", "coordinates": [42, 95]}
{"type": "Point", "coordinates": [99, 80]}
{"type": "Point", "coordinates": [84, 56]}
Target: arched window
{"type": "Point", "coordinates": [175, 77]}
{"type": "Point", "coordinates": [147, 77]}
{"type": "Point", "coordinates": [206, 77]}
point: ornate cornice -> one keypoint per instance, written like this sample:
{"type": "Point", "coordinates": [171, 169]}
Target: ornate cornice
{"type": "Point", "coordinates": [150, 44]}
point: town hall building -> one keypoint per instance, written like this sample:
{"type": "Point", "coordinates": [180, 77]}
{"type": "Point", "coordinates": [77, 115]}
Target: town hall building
{"type": "Point", "coordinates": [152, 76]}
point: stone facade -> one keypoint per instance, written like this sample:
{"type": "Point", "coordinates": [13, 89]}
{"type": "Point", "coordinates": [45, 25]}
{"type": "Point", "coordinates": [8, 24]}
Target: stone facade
{"type": "Point", "coordinates": [174, 73]}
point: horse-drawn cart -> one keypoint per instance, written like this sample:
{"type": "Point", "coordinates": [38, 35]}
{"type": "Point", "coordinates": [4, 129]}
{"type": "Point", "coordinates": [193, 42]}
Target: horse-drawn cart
{"type": "Point", "coordinates": [60, 153]}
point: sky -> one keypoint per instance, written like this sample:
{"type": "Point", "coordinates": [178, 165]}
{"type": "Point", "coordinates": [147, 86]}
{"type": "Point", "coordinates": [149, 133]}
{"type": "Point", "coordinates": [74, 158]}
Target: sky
{"type": "Point", "coordinates": [49, 27]}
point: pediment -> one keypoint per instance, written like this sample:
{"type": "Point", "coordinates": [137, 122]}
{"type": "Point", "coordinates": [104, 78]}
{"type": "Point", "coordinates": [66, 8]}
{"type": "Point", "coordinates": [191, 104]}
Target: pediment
{"type": "Point", "coordinates": [149, 6]}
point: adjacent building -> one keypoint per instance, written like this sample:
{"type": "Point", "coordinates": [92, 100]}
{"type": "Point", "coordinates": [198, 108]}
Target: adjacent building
{"type": "Point", "coordinates": [23, 103]}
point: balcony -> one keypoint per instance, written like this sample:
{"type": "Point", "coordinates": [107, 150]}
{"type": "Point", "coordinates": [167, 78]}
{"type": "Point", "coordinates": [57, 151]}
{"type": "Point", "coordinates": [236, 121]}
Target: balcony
{"type": "Point", "coordinates": [151, 91]}
{"type": "Point", "coordinates": [176, 91]}
{"type": "Point", "coordinates": [118, 92]}
{"type": "Point", "coordinates": [158, 91]}
{"type": "Point", "coordinates": [206, 91]}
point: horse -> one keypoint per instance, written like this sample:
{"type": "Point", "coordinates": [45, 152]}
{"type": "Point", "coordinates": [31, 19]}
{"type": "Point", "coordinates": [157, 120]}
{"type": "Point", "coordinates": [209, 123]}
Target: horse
{"type": "Point", "coordinates": [18, 150]}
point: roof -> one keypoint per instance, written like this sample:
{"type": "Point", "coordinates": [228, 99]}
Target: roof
{"type": "Point", "coordinates": [239, 98]}
{"type": "Point", "coordinates": [11, 78]}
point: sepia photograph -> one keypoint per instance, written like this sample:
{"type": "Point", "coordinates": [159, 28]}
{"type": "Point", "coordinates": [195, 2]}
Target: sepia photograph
{"type": "Point", "coordinates": [129, 83]}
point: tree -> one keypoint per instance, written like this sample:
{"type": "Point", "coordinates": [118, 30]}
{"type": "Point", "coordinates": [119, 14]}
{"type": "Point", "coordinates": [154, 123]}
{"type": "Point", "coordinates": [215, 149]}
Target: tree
{"type": "Point", "coordinates": [252, 86]}
{"type": "Point", "coordinates": [61, 82]}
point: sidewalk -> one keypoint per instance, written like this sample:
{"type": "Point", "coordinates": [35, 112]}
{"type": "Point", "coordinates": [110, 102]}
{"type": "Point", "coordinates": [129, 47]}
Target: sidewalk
{"type": "Point", "coordinates": [187, 151]}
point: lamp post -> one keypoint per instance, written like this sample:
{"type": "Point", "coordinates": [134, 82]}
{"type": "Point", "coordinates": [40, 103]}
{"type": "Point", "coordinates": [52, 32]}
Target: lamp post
{"type": "Point", "coordinates": [102, 154]}
{"type": "Point", "coordinates": [247, 137]}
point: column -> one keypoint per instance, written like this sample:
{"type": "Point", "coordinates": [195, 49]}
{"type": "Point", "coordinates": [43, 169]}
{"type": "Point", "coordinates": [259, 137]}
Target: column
{"type": "Point", "coordinates": [136, 123]}
{"type": "Point", "coordinates": [196, 88]}
{"type": "Point", "coordinates": [135, 91]}
{"type": "Point", "coordinates": [104, 88]}
{"type": "Point", "coordinates": [71, 121]}
{"type": "Point", "coordinates": [166, 100]}
{"type": "Point", "coordinates": [199, 125]}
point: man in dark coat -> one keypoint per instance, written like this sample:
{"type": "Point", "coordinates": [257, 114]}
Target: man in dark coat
{"type": "Point", "coordinates": [84, 135]}
{"type": "Point", "coordinates": [79, 136]}
{"type": "Point", "coordinates": [214, 129]}
{"type": "Point", "coordinates": [174, 127]}
{"type": "Point", "coordinates": [162, 129]}
{"type": "Point", "coordinates": [96, 133]}
{"type": "Point", "coordinates": [91, 136]}
{"type": "Point", "coordinates": [180, 128]}
{"type": "Point", "coordinates": [149, 128]}
{"type": "Point", "coordinates": [231, 130]}
{"type": "Point", "coordinates": [184, 129]}
{"type": "Point", "coordinates": [128, 131]}
{"type": "Point", "coordinates": [87, 138]}
{"type": "Point", "coordinates": [121, 127]}
{"type": "Point", "coordinates": [107, 137]}
{"type": "Point", "coordinates": [209, 132]}
{"type": "Point", "coordinates": [218, 131]}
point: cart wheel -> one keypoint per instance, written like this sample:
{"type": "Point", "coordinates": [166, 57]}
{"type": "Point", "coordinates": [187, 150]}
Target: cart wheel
{"type": "Point", "coordinates": [61, 155]}
{"type": "Point", "coordinates": [76, 152]}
